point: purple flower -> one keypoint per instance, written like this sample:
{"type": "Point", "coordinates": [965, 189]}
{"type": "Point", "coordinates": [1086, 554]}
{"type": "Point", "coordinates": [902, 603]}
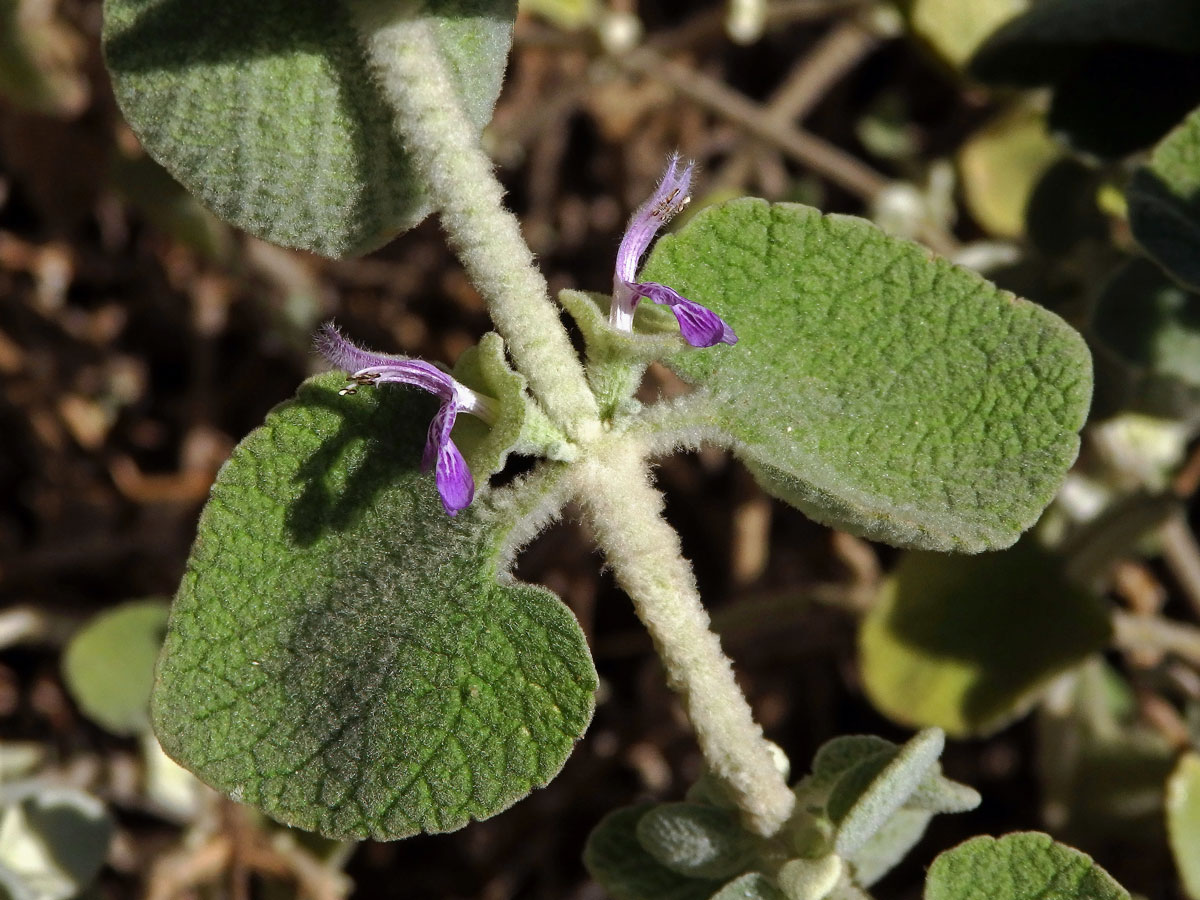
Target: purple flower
{"type": "Point", "coordinates": [454, 481]}
{"type": "Point", "coordinates": [700, 326]}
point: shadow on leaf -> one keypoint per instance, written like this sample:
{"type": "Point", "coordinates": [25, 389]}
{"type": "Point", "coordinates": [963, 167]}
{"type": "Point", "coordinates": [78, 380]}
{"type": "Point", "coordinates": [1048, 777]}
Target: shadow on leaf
{"type": "Point", "coordinates": [340, 482]}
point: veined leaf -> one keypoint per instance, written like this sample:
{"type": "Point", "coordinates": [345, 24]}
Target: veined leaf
{"type": "Point", "coordinates": [1018, 866]}
{"type": "Point", "coordinates": [267, 110]}
{"type": "Point", "coordinates": [878, 389]}
{"type": "Point", "coordinates": [346, 657]}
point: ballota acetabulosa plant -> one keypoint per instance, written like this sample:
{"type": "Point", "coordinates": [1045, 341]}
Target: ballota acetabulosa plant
{"type": "Point", "coordinates": [348, 650]}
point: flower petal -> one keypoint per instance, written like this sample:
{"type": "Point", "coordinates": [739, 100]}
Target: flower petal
{"type": "Point", "coordinates": [344, 354]}
{"type": "Point", "coordinates": [669, 197]}
{"type": "Point", "coordinates": [454, 481]}
{"type": "Point", "coordinates": [699, 325]}
{"type": "Point", "coordinates": [376, 367]}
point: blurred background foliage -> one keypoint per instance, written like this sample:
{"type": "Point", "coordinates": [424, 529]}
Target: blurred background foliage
{"type": "Point", "coordinates": [1050, 144]}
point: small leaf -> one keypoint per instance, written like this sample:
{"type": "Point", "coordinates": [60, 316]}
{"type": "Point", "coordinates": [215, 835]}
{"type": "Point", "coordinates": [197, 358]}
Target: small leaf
{"type": "Point", "coordinates": [877, 389]}
{"type": "Point", "coordinates": [938, 794]}
{"type": "Point", "coordinates": [867, 796]}
{"type": "Point", "coordinates": [485, 368]}
{"type": "Point", "coordinates": [751, 886]}
{"type": "Point", "coordinates": [1021, 866]}
{"type": "Point", "coordinates": [616, 859]}
{"type": "Point", "coordinates": [967, 644]}
{"type": "Point", "coordinates": [842, 753]}
{"type": "Point", "coordinates": [348, 658]}
{"type": "Point", "coordinates": [267, 111]}
{"type": "Point", "coordinates": [109, 665]}
{"type": "Point", "coordinates": [810, 879]}
{"type": "Point", "coordinates": [1183, 821]}
{"type": "Point", "coordinates": [1164, 203]}
{"type": "Point", "coordinates": [53, 841]}
{"type": "Point", "coordinates": [1147, 331]}
{"type": "Point", "coordinates": [889, 845]}
{"type": "Point", "coordinates": [695, 840]}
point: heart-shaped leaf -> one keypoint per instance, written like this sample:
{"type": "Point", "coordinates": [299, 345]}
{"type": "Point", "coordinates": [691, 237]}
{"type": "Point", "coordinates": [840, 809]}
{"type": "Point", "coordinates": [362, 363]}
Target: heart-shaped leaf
{"type": "Point", "coordinates": [1018, 866]}
{"type": "Point", "coordinates": [268, 112]}
{"type": "Point", "coordinates": [348, 658]}
{"type": "Point", "coordinates": [878, 389]}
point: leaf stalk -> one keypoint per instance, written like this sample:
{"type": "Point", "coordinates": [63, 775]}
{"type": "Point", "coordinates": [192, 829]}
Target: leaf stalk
{"type": "Point", "coordinates": [429, 117]}
{"type": "Point", "coordinates": [625, 511]}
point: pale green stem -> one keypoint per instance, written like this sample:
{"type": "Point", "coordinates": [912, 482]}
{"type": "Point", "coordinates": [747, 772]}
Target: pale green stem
{"type": "Point", "coordinates": [444, 146]}
{"type": "Point", "coordinates": [612, 482]}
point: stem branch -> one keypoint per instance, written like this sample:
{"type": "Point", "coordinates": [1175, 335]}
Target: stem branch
{"type": "Point", "coordinates": [625, 511]}
{"type": "Point", "coordinates": [444, 145]}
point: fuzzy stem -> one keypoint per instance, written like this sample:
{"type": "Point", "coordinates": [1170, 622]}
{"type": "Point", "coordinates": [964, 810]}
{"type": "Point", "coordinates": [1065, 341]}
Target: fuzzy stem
{"type": "Point", "coordinates": [613, 485]}
{"type": "Point", "coordinates": [429, 117]}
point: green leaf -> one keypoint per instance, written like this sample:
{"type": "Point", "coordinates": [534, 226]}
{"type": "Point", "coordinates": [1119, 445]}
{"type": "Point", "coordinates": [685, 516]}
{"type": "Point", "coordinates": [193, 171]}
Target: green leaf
{"type": "Point", "coordinates": [938, 794]}
{"type": "Point", "coordinates": [1113, 103]}
{"type": "Point", "coordinates": [1063, 209]}
{"type": "Point", "coordinates": [267, 110]}
{"type": "Point", "coordinates": [810, 879]}
{"type": "Point", "coordinates": [955, 29]}
{"type": "Point", "coordinates": [1022, 866]}
{"type": "Point", "coordinates": [877, 389]}
{"type": "Point", "coordinates": [889, 845]}
{"type": "Point", "coordinates": [695, 840]}
{"type": "Point", "coordinates": [1107, 61]}
{"type": "Point", "coordinates": [1147, 332]}
{"type": "Point", "coordinates": [349, 659]}
{"type": "Point", "coordinates": [1164, 203]}
{"type": "Point", "coordinates": [616, 859]}
{"type": "Point", "coordinates": [566, 14]}
{"type": "Point", "coordinates": [109, 665]}
{"type": "Point", "coordinates": [842, 753]}
{"type": "Point", "coordinates": [1183, 821]}
{"type": "Point", "coordinates": [53, 841]}
{"type": "Point", "coordinates": [1001, 164]}
{"type": "Point", "coordinates": [485, 368]}
{"type": "Point", "coordinates": [867, 796]}
{"type": "Point", "coordinates": [967, 644]}
{"type": "Point", "coordinates": [1054, 35]}
{"type": "Point", "coordinates": [751, 886]}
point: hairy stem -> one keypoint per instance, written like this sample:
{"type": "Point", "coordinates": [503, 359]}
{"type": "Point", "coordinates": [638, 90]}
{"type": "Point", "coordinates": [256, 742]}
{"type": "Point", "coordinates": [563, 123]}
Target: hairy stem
{"type": "Point", "coordinates": [613, 484]}
{"type": "Point", "coordinates": [430, 119]}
